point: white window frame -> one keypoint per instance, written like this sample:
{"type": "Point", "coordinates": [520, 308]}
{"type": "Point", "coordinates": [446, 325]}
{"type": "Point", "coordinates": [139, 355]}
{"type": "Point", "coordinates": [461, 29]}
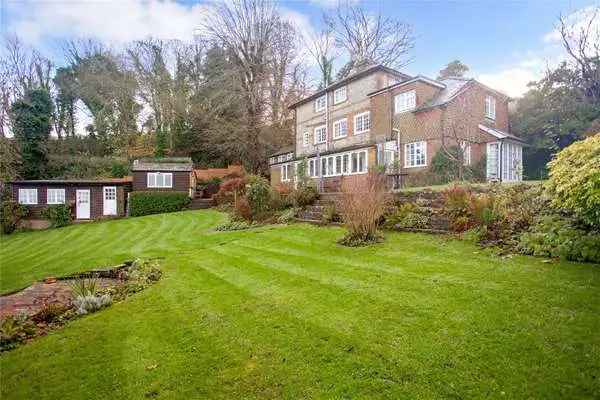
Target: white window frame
{"type": "Point", "coordinates": [340, 95]}
{"type": "Point", "coordinates": [321, 103]}
{"type": "Point", "coordinates": [305, 139]}
{"type": "Point", "coordinates": [318, 140]}
{"type": "Point", "coordinates": [289, 156]}
{"type": "Point", "coordinates": [152, 180]}
{"type": "Point", "coordinates": [332, 168]}
{"type": "Point", "coordinates": [490, 107]}
{"type": "Point", "coordinates": [405, 101]}
{"type": "Point", "coordinates": [465, 148]}
{"type": "Point", "coordinates": [336, 125]}
{"type": "Point", "coordinates": [414, 163]}
{"type": "Point", "coordinates": [286, 176]}
{"type": "Point", "coordinates": [364, 116]}
{"type": "Point", "coordinates": [55, 196]}
{"type": "Point", "coordinates": [28, 196]}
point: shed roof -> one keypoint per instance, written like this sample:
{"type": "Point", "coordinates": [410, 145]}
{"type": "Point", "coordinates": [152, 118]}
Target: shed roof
{"type": "Point", "coordinates": [99, 181]}
{"type": "Point", "coordinates": [183, 164]}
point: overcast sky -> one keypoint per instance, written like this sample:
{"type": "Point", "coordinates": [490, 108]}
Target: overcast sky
{"type": "Point", "coordinates": [506, 43]}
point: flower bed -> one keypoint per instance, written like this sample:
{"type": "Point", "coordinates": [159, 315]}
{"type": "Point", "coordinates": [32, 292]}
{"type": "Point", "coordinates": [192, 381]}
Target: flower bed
{"type": "Point", "coordinates": [48, 305]}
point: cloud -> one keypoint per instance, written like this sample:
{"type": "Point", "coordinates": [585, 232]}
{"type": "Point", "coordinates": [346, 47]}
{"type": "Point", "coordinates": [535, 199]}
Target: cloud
{"type": "Point", "coordinates": [513, 78]}
{"type": "Point", "coordinates": [578, 20]}
{"type": "Point", "coordinates": [115, 22]}
{"type": "Point", "coordinates": [332, 3]}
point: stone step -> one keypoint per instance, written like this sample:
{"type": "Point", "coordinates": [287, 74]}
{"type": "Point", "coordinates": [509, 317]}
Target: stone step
{"type": "Point", "coordinates": [199, 203]}
{"type": "Point", "coordinates": [317, 216]}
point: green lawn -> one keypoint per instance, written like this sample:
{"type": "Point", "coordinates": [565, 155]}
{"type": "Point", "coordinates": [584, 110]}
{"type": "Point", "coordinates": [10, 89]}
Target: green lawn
{"type": "Point", "coordinates": [284, 312]}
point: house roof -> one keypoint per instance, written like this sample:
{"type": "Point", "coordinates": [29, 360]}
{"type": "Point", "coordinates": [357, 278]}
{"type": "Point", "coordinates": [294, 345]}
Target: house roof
{"type": "Point", "coordinates": [497, 133]}
{"type": "Point", "coordinates": [209, 173]}
{"type": "Point", "coordinates": [184, 164]}
{"type": "Point", "coordinates": [350, 78]}
{"type": "Point", "coordinates": [283, 150]}
{"type": "Point", "coordinates": [418, 78]}
{"type": "Point", "coordinates": [99, 181]}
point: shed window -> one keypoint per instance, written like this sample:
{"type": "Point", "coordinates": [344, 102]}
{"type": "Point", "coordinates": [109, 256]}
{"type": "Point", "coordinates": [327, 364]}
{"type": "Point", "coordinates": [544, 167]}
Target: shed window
{"type": "Point", "coordinates": [28, 196]}
{"type": "Point", "coordinates": [160, 180]}
{"type": "Point", "coordinates": [55, 196]}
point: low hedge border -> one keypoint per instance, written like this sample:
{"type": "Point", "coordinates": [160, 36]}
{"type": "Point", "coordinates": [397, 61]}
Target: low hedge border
{"type": "Point", "coordinates": [146, 203]}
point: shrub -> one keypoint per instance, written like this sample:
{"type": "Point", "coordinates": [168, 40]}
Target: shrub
{"type": "Point", "coordinates": [457, 205]}
{"type": "Point", "coordinates": [82, 287]}
{"type": "Point", "coordinates": [50, 313]}
{"type": "Point", "coordinates": [12, 213]}
{"type": "Point", "coordinates": [305, 196]}
{"type": "Point", "coordinates": [259, 195]}
{"type": "Point", "coordinates": [558, 236]}
{"type": "Point", "coordinates": [231, 189]}
{"type": "Point", "coordinates": [58, 215]}
{"type": "Point", "coordinates": [287, 216]}
{"type": "Point", "coordinates": [89, 304]}
{"type": "Point", "coordinates": [14, 330]}
{"type": "Point", "coordinates": [243, 210]}
{"type": "Point", "coordinates": [233, 226]}
{"type": "Point", "coordinates": [145, 203]}
{"type": "Point", "coordinates": [118, 170]}
{"type": "Point", "coordinates": [362, 204]}
{"type": "Point", "coordinates": [398, 214]}
{"type": "Point", "coordinates": [210, 186]}
{"type": "Point", "coordinates": [330, 214]}
{"type": "Point", "coordinates": [574, 180]}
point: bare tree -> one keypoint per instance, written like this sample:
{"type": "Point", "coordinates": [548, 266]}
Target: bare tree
{"type": "Point", "coordinates": [459, 134]}
{"type": "Point", "coordinates": [246, 28]}
{"type": "Point", "coordinates": [321, 48]}
{"type": "Point", "coordinates": [582, 43]}
{"type": "Point", "coordinates": [370, 38]}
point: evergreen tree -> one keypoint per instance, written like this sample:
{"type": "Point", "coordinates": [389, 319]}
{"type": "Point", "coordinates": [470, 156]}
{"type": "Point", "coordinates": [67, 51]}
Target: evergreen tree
{"type": "Point", "coordinates": [31, 122]}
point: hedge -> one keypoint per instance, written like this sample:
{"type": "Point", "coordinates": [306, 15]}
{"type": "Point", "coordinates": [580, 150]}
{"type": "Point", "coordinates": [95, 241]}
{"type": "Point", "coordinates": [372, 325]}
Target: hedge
{"type": "Point", "coordinates": [145, 203]}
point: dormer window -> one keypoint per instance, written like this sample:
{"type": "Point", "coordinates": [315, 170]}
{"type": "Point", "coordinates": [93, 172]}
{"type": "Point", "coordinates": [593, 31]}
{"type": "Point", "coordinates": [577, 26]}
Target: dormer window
{"type": "Point", "coordinates": [405, 101]}
{"type": "Point", "coordinates": [320, 104]}
{"type": "Point", "coordinates": [339, 95]}
{"type": "Point", "coordinates": [490, 107]}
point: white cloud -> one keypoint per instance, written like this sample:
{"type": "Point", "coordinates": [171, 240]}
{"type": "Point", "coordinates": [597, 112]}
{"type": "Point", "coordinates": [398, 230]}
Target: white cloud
{"type": "Point", "coordinates": [332, 3]}
{"type": "Point", "coordinates": [578, 20]}
{"type": "Point", "coordinates": [115, 21]}
{"type": "Point", "coordinates": [513, 78]}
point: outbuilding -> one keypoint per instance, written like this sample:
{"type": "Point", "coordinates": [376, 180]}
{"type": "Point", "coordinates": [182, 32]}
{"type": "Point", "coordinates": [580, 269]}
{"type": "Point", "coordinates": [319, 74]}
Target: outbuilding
{"type": "Point", "coordinates": [89, 199]}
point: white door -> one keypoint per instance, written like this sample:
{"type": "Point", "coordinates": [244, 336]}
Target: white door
{"type": "Point", "coordinates": [110, 200]}
{"type": "Point", "coordinates": [493, 158]}
{"type": "Point", "coordinates": [83, 204]}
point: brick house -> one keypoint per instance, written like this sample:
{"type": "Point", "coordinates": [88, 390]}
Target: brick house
{"type": "Point", "coordinates": [380, 116]}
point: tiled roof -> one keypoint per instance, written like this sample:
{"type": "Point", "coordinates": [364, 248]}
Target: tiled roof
{"type": "Point", "coordinates": [166, 164]}
{"type": "Point", "coordinates": [209, 173]}
{"type": "Point", "coordinates": [453, 86]}
{"type": "Point", "coordinates": [350, 78]}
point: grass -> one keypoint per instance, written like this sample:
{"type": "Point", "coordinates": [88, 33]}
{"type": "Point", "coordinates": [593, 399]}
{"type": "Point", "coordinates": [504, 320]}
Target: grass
{"type": "Point", "coordinates": [284, 312]}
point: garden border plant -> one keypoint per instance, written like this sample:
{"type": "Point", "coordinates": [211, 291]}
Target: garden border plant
{"type": "Point", "coordinates": [88, 297]}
